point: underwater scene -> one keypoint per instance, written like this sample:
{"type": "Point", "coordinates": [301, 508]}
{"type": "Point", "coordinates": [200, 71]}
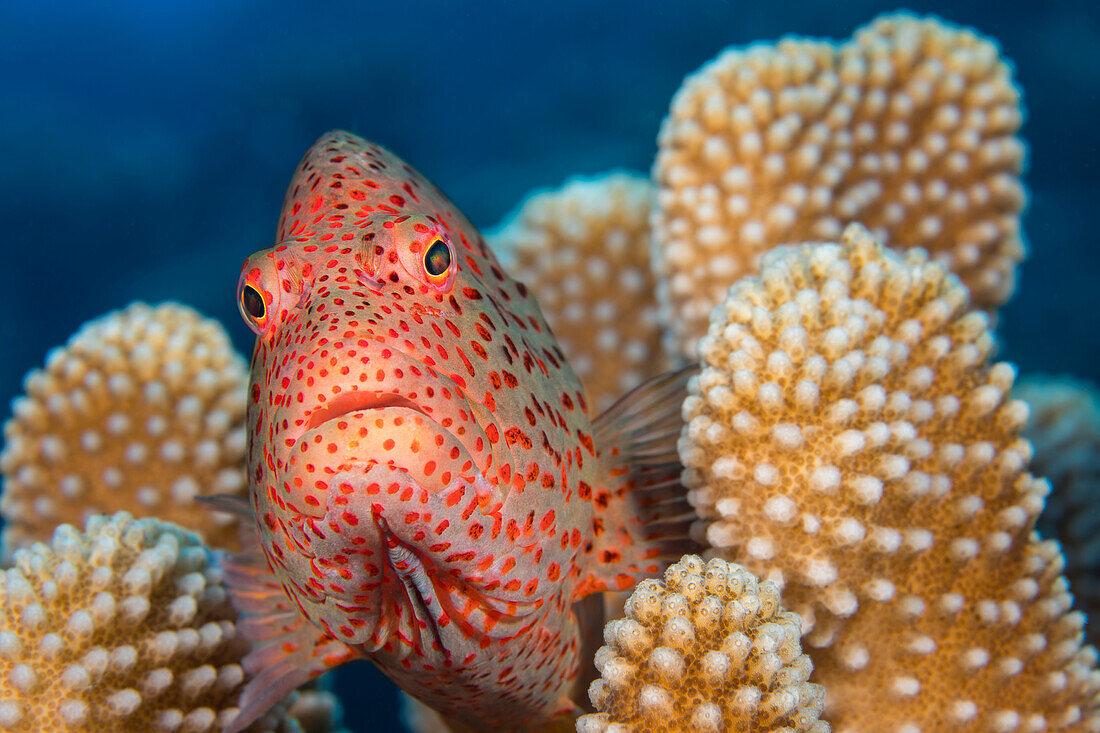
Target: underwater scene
{"type": "Point", "coordinates": [318, 324]}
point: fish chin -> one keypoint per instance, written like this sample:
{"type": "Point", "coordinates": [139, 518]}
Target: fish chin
{"type": "Point", "coordinates": [371, 481]}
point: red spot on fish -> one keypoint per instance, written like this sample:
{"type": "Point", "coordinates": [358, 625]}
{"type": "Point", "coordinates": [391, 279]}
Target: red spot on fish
{"type": "Point", "coordinates": [514, 435]}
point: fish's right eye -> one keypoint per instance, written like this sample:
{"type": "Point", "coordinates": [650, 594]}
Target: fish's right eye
{"type": "Point", "coordinates": [254, 306]}
{"type": "Point", "coordinates": [252, 303]}
{"type": "Point", "coordinates": [270, 287]}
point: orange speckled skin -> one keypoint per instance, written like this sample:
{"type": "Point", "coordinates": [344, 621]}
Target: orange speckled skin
{"type": "Point", "coordinates": [421, 462]}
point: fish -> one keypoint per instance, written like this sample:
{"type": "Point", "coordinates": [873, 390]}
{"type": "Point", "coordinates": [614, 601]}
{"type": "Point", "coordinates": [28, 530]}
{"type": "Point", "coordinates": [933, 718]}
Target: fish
{"type": "Point", "coordinates": [427, 488]}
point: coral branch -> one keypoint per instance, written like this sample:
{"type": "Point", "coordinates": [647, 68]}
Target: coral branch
{"type": "Point", "coordinates": [1064, 427]}
{"type": "Point", "coordinates": [708, 649]}
{"type": "Point", "coordinates": [909, 128]}
{"type": "Point", "coordinates": [140, 411]}
{"type": "Point", "coordinates": [123, 627]}
{"type": "Point", "coordinates": [583, 250]}
{"type": "Point", "coordinates": [849, 439]}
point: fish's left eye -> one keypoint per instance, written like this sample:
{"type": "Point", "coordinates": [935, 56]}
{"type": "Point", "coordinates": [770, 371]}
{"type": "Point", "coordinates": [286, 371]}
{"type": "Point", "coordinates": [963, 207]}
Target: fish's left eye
{"type": "Point", "coordinates": [437, 261]}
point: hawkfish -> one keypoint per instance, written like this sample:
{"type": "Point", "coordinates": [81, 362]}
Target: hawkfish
{"type": "Point", "coordinates": [427, 487]}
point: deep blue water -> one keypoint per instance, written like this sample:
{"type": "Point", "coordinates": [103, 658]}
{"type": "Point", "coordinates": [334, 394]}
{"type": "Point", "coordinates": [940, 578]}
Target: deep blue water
{"type": "Point", "coordinates": [146, 145]}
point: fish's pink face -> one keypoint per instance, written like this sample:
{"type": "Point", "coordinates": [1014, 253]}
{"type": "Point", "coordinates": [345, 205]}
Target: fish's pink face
{"type": "Point", "coordinates": [404, 394]}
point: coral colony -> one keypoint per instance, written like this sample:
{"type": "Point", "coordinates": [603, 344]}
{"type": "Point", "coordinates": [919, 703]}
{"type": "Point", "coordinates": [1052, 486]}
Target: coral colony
{"type": "Point", "coordinates": [828, 230]}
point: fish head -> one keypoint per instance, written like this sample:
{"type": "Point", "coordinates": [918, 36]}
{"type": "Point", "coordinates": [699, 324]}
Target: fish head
{"type": "Point", "coordinates": [406, 399]}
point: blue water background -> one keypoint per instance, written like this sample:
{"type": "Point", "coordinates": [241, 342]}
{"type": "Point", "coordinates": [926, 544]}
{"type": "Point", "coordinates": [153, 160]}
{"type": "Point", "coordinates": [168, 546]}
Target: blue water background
{"type": "Point", "coordinates": [145, 146]}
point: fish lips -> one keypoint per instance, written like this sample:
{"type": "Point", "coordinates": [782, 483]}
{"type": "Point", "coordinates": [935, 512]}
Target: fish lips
{"type": "Point", "coordinates": [383, 377]}
{"type": "Point", "coordinates": [359, 401]}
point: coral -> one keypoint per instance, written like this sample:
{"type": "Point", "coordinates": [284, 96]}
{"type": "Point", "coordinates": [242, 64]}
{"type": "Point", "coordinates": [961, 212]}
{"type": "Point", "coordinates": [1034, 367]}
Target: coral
{"type": "Point", "coordinates": [583, 250]}
{"type": "Point", "coordinates": [316, 710]}
{"type": "Point", "coordinates": [848, 438]}
{"type": "Point", "coordinates": [141, 410]}
{"type": "Point", "coordinates": [124, 627]}
{"type": "Point", "coordinates": [708, 649]}
{"type": "Point", "coordinates": [908, 128]}
{"type": "Point", "coordinates": [1064, 427]}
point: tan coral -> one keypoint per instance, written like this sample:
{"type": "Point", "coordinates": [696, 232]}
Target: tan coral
{"type": "Point", "coordinates": [142, 410]}
{"type": "Point", "coordinates": [849, 438]}
{"type": "Point", "coordinates": [316, 710]}
{"type": "Point", "coordinates": [583, 250]}
{"type": "Point", "coordinates": [707, 649]}
{"type": "Point", "coordinates": [908, 128]}
{"type": "Point", "coordinates": [125, 627]}
{"type": "Point", "coordinates": [1064, 427]}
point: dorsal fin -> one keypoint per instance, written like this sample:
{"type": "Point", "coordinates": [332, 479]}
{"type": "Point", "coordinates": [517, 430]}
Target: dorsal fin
{"type": "Point", "coordinates": [642, 516]}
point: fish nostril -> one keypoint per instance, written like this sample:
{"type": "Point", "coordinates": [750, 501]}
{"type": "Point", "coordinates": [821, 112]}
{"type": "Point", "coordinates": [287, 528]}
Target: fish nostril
{"type": "Point", "coordinates": [370, 255]}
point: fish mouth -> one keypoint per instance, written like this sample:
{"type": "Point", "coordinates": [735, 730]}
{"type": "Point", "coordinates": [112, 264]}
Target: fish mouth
{"type": "Point", "coordinates": [384, 376]}
{"type": "Point", "coordinates": [359, 401]}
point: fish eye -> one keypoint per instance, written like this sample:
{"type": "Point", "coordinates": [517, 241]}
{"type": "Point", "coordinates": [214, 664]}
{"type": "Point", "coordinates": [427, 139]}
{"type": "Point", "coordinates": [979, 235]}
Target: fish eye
{"type": "Point", "coordinates": [437, 261]}
{"type": "Point", "coordinates": [252, 303]}
{"type": "Point", "coordinates": [269, 289]}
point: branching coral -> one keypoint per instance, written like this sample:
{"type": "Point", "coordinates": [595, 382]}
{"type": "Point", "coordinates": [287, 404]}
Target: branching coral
{"type": "Point", "coordinates": [316, 709]}
{"type": "Point", "coordinates": [123, 627]}
{"type": "Point", "coordinates": [583, 250]}
{"type": "Point", "coordinates": [707, 649]}
{"type": "Point", "coordinates": [1065, 429]}
{"type": "Point", "coordinates": [140, 411]}
{"type": "Point", "coordinates": [848, 438]}
{"type": "Point", "coordinates": [909, 129]}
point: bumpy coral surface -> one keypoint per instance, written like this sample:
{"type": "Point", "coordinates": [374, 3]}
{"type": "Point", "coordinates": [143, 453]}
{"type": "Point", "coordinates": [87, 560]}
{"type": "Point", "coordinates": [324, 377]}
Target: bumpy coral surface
{"type": "Point", "coordinates": [908, 128]}
{"type": "Point", "coordinates": [848, 438]}
{"type": "Point", "coordinates": [1064, 427]}
{"type": "Point", "coordinates": [583, 250]}
{"type": "Point", "coordinates": [142, 410]}
{"type": "Point", "coordinates": [125, 627]}
{"type": "Point", "coordinates": [316, 710]}
{"type": "Point", "coordinates": [707, 649]}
